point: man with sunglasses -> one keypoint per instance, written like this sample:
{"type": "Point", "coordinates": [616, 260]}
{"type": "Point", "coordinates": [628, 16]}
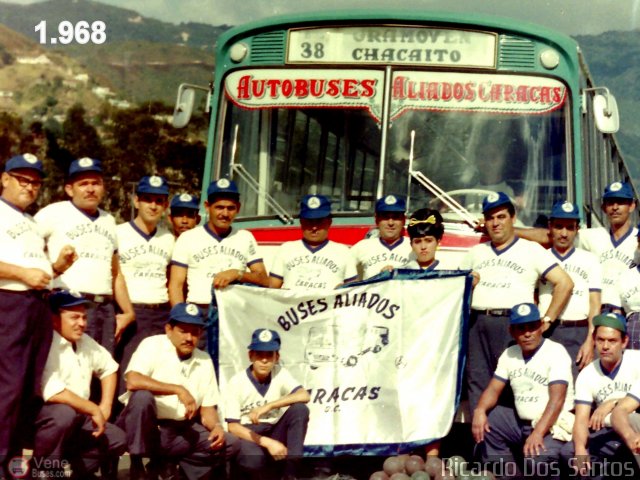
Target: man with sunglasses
{"type": "Point", "coordinates": [183, 213]}
{"type": "Point", "coordinates": [25, 322]}
{"type": "Point", "coordinates": [390, 248]}
{"type": "Point", "coordinates": [92, 231]}
{"type": "Point", "coordinates": [145, 249]}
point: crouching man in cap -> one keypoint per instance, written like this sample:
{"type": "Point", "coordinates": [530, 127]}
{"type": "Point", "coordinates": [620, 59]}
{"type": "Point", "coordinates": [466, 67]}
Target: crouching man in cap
{"type": "Point", "coordinates": [539, 372]}
{"type": "Point", "coordinates": [172, 394]}
{"type": "Point", "coordinates": [69, 426]}
{"type": "Point", "coordinates": [265, 408]}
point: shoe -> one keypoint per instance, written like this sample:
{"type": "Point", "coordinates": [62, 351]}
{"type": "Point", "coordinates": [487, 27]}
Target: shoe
{"type": "Point", "coordinates": [136, 469]}
{"type": "Point", "coordinates": [158, 469]}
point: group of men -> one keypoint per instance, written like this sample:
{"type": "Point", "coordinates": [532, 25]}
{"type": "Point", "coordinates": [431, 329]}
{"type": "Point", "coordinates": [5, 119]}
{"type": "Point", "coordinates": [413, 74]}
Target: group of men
{"type": "Point", "coordinates": [142, 292]}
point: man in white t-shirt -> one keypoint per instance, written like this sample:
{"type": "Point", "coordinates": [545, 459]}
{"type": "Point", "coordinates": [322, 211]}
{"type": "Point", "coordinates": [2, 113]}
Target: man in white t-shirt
{"type": "Point", "coordinates": [69, 425]}
{"type": "Point", "coordinates": [629, 298]}
{"type": "Point", "coordinates": [539, 373]}
{"type": "Point", "coordinates": [92, 232]}
{"type": "Point", "coordinates": [313, 262]}
{"type": "Point", "coordinates": [215, 254]}
{"type": "Point", "coordinates": [389, 248]}
{"type": "Point", "coordinates": [599, 388]}
{"type": "Point", "coordinates": [171, 401]}
{"type": "Point", "coordinates": [265, 408]}
{"type": "Point", "coordinates": [573, 328]}
{"type": "Point", "coordinates": [25, 322]}
{"type": "Point", "coordinates": [509, 268]}
{"type": "Point", "coordinates": [183, 213]}
{"type": "Point", "coordinates": [145, 249]}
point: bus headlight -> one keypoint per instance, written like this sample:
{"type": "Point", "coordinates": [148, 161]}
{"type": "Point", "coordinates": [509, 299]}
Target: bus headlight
{"type": "Point", "coordinates": [549, 59]}
{"type": "Point", "coordinates": [238, 52]}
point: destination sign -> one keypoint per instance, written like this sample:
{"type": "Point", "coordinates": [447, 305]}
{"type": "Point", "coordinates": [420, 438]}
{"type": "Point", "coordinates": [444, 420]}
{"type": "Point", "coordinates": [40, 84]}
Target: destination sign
{"type": "Point", "coordinates": [393, 45]}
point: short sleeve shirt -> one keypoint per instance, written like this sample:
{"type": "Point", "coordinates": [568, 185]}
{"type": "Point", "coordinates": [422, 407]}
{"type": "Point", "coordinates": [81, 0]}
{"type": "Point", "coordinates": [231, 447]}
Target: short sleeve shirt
{"type": "Point", "coordinates": [72, 369]}
{"type": "Point", "coordinates": [156, 357]}
{"type": "Point", "coordinates": [508, 276]}
{"type": "Point", "coordinates": [21, 244]}
{"type": "Point", "coordinates": [615, 256]}
{"type": "Point", "coordinates": [326, 266]}
{"type": "Point", "coordinates": [243, 393]}
{"type": "Point", "coordinates": [94, 239]}
{"type": "Point", "coordinates": [373, 254]}
{"type": "Point", "coordinates": [204, 254]}
{"type": "Point", "coordinates": [144, 260]}
{"type": "Point", "coordinates": [629, 290]}
{"type": "Point", "coordinates": [596, 385]}
{"type": "Point", "coordinates": [530, 378]}
{"type": "Point", "coordinates": [585, 271]}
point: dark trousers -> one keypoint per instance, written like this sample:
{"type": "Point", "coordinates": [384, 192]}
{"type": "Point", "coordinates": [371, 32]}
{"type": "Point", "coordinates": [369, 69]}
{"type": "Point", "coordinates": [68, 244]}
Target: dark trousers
{"type": "Point", "coordinates": [289, 430]}
{"type": "Point", "coordinates": [503, 445]}
{"type": "Point", "coordinates": [63, 434]}
{"type": "Point", "coordinates": [148, 322]}
{"type": "Point", "coordinates": [184, 442]}
{"type": "Point", "coordinates": [571, 338]}
{"type": "Point", "coordinates": [488, 338]}
{"type": "Point", "coordinates": [25, 338]}
{"type": "Point", "coordinates": [101, 325]}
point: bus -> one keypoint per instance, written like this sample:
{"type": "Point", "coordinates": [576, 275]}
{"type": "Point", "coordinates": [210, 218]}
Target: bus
{"type": "Point", "coordinates": [440, 107]}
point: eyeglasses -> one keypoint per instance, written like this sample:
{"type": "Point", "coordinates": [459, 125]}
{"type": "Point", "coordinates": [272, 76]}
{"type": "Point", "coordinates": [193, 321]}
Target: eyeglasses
{"type": "Point", "coordinates": [26, 181]}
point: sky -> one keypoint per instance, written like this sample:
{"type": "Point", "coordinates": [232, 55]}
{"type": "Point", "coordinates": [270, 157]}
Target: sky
{"type": "Point", "coordinates": [573, 17]}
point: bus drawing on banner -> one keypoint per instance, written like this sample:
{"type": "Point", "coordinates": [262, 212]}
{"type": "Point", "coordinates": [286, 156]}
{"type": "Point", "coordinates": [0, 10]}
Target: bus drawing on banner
{"type": "Point", "coordinates": [443, 108]}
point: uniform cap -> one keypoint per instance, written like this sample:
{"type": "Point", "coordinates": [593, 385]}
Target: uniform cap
{"type": "Point", "coordinates": [524, 313]}
{"type": "Point", "coordinates": [24, 161]}
{"type": "Point", "coordinates": [264, 340]}
{"type": "Point", "coordinates": [83, 165]}
{"type": "Point", "coordinates": [187, 313]}
{"type": "Point", "coordinates": [223, 187]}
{"type": "Point", "coordinates": [185, 200]}
{"type": "Point", "coordinates": [154, 185]}
{"type": "Point", "coordinates": [64, 299]}
{"type": "Point", "coordinates": [391, 203]}
{"type": "Point", "coordinates": [315, 206]}
{"type": "Point", "coordinates": [494, 200]}
{"type": "Point", "coordinates": [618, 190]}
{"type": "Point", "coordinates": [613, 320]}
{"type": "Point", "coordinates": [565, 209]}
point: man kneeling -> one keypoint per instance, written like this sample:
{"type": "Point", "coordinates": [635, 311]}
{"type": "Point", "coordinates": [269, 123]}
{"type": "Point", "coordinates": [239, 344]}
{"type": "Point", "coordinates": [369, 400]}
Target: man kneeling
{"type": "Point", "coordinates": [70, 428]}
{"type": "Point", "coordinates": [172, 394]}
{"type": "Point", "coordinates": [539, 372]}
{"type": "Point", "coordinates": [265, 407]}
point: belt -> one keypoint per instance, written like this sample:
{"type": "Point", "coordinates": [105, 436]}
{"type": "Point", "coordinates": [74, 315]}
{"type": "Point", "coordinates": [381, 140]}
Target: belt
{"type": "Point", "coordinates": [494, 312]}
{"type": "Point", "coordinates": [27, 293]}
{"type": "Point", "coordinates": [574, 323]}
{"type": "Point", "coordinates": [153, 306]}
{"type": "Point", "coordinates": [97, 298]}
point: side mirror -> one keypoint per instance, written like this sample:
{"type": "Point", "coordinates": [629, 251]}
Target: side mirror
{"type": "Point", "coordinates": [184, 106]}
{"type": "Point", "coordinates": [605, 110]}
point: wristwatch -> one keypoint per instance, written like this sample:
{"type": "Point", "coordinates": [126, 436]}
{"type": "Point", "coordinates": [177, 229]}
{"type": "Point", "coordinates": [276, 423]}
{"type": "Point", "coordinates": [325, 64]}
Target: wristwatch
{"type": "Point", "coordinates": [546, 319]}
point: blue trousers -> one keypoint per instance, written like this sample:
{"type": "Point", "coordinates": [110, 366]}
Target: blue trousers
{"type": "Point", "coordinates": [101, 325]}
{"type": "Point", "coordinates": [289, 430]}
{"type": "Point", "coordinates": [62, 433]}
{"type": "Point", "coordinates": [504, 442]}
{"type": "Point", "coordinates": [25, 338]}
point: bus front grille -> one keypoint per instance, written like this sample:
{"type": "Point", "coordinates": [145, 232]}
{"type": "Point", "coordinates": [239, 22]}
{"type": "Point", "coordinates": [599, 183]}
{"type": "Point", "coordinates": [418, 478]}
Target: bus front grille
{"type": "Point", "coordinates": [268, 48]}
{"type": "Point", "coordinates": [516, 53]}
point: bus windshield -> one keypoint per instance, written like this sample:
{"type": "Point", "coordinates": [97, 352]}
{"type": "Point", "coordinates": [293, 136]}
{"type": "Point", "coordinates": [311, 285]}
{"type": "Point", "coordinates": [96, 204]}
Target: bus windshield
{"type": "Point", "coordinates": [356, 134]}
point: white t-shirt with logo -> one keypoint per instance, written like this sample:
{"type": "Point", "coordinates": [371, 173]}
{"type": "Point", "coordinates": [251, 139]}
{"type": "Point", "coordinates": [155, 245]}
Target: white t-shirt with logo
{"type": "Point", "coordinates": [373, 254]}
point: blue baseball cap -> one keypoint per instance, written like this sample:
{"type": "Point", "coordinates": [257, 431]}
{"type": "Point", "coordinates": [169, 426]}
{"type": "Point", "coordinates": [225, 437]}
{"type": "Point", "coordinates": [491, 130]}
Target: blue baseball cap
{"type": "Point", "coordinates": [391, 203]}
{"type": "Point", "coordinates": [315, 206]}
{"type": "Point", "coordinates": [613, 320]}
{"type": "Point", "coordinates": [185, 200]}
{"type": "Point", "coordinates": [153, 184]}
{"type": "Point", "coordinates": [618, 190]}
{"type": "Point", "coordinates": [187, 313]}
{"type": "Point", "coordinates": [265, 340]}
{"type": "Point", "coordinates": [565, 209]}
{"type": "Point", "coordinates": [24, 161]}
{"type": "Point", "coordinates": [494, 200]}
{"type": "Point", "coordinates": [61, 299]}
{"type": "Point", "coordinates": [524, 313]}
{"type": "Point", "coordinates": [223, 187]}
{"type": "Point", "coordinates": [83, 165]}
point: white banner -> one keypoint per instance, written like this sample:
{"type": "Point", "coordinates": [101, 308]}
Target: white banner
{"type": "Point", "coordinates": [382, 360]}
